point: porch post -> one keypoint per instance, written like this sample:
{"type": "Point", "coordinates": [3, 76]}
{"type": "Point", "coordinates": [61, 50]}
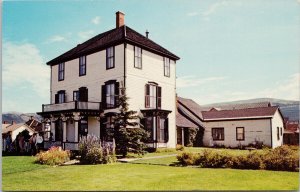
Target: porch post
{"type": "Point", "coordinates": [76, 117]}
{"type": "Point", "coordinates": [64, 120]}
{"type": "Point", "coordinates": [182, 136]}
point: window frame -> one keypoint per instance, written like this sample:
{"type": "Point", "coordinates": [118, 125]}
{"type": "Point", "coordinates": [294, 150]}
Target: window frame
{"type": "Point", "coordinates": [153, 96]}
{"type": "Point", "coordinates": [138, 52]}
{"type": "Point", "coordinates": [243, 134]}
{"type": "Point", "coordinates": [222, 133]}
{"type": "Point", "coordinates": [82, 65]}
{"type": "Point", "coordinates": [61, 97]}
{"type": "Point", "coordinates": [76, 94]}
{"type": "Point", "coordinates": [278, 135]}
{"type": "Point", "coordinates": [110, 57]}
{"type": "Point", "coordinates": [167, 67]}
{"type": "Point", "coordinates": [61, 71]}
{"type": "Point", "coordinates": [110, 95]}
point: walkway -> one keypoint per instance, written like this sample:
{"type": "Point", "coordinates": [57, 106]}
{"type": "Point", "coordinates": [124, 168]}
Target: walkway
{"type": "Point", "coordinates": [126, 160]}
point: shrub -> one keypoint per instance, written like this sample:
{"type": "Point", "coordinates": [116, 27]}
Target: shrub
{"type": "Point", "coordinates": [91, 151]}
{"type": "Point", "coordinates": [187, 158]}
{"type": "Point", "coordinates": [213, 159]}
{"type": "Point", "coordinates": [282, 158]}
{"type": "Point", "coordinates": [251, 161]}
{"type": "Point", "coordinates": [54, 156]}
{"type": "Point", "coordinates": [179, 148]}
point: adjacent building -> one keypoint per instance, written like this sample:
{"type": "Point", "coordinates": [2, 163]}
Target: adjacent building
{"type": "Point", "coordinates": [86, 80]}
{"type": "Point", "coordinates": [239, 125]}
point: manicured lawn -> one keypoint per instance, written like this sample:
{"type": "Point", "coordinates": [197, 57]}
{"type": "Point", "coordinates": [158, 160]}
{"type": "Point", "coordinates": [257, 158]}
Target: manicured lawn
{"type": "Point", "coordinates": [20, 174]}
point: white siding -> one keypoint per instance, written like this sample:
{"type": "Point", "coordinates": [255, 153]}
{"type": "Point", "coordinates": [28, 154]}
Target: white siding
{"type": "Point", "coordinates": [96, 75]}
{"type": "Point", "coordinates": [258, 129]}
{"type": "Point", "coordinates": [277, 121]}
{"type": "Point", "coordinates": [152, 70]}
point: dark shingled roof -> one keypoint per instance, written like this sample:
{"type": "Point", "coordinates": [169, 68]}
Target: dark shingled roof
{"type": "Point", "coordinates": [240, 113]}
{"type": "Point", "coordinates": [113, 37]}
{"type": "Point", "coordinates": [191, 105]}
{"type": "Point", "coordinates": [182, 121]}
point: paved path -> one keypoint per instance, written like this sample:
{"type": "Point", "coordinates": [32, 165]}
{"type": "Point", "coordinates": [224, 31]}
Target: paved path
{"type": "Point", "coordinates": [125, 160]}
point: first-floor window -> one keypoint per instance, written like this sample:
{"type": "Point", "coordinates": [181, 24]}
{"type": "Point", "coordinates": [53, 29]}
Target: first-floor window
{"type": "Point", "coordinates": [217, 134]}
{"type": "Point", "coordinates": [59, 130]}
{"type": "Point", "coordinates": [109, 128]}
{"type": "Point", "coordinates": [240, 134]}
{"type": "Point", "coordinates": [161, 124]}
{"type": "Point", "coordinates": [83, 127]}
{"type": "Point", "coordinates": [281, 131]}
{"type": "Point", "coordinates": [278, 137]}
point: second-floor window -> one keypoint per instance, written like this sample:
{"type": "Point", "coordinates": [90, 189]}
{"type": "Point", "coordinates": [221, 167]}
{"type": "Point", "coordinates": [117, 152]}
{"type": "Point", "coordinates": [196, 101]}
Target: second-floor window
{"type": "Point", "coordinates": [110, 57]}
{"type": "Point", "coordinates": [153, 96]}
{"type": "Point", "coordinates": [82, 65]}
{"type": "Point", "coordinates": [60, 97]}
{"type": "Point", "coordinates": [137, 57]}
{"type": "Point", "coordinates": [110, 92]}
{"type": "Point", "coordinates": [76, 96]}
{"type": "Point", "coordinates": [240, 134]}
{"type": "Point", "coordinates": [61, 71]}
{"type": "Point", "coordinates": [166, 67]}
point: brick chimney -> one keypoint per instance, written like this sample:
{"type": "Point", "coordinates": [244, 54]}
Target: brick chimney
{"type": "Point", "coordinates": [120, 20]}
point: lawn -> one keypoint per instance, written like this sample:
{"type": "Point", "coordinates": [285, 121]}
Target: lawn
{"type": "Point", "coordinates": [20, 174]}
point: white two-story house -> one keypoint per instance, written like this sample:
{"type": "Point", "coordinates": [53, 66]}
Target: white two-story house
{"type": "Point", "coordinates": [85, 83]}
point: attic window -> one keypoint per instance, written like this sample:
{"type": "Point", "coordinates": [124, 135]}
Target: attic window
{"type": "Point", "coordinates": [82, 65]}
{"type": "Point", "coordinates": [137, 57]}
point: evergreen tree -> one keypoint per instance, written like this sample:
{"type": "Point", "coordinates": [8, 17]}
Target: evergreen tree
{"type": "Point", "coordinates": [128, 132]}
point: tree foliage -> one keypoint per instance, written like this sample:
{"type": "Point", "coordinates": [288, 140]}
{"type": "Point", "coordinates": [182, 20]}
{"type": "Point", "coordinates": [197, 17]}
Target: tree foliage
{"type": "Point", "coordinates": [128, 132]}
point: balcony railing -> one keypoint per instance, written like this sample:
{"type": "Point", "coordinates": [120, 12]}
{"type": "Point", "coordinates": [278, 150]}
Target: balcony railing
{"type": "Point", "coordinates": [73, 105]}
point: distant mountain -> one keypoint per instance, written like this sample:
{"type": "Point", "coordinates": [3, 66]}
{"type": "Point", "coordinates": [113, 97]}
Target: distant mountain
{"type": "Point", "coordinates": [18, 117]}
{"type": "Point", "coordinates": [288, 108]}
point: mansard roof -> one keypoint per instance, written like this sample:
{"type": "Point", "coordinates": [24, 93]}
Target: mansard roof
{"type": "Point", "coordinates": [110, 38]}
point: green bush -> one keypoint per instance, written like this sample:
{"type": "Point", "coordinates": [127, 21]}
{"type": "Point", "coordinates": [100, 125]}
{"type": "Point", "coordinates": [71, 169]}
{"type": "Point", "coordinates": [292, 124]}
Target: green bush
{"type": "Point", "coordinates": [54, 156]}
{"type": "Point", "coordinates": [179, 148]}
{"type": "Point", "coordinates": [214, 159]}
{"type": "Point", "coordinates": [282, 158]}
{"type": "Point", "coordinates": [251, 161]}
{"type": "Point", "coordinates": [91, 151]}
{"type": "Point", "coordinates": [187, 158]}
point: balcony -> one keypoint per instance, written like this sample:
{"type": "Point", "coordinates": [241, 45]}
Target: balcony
{"type": "Point", "coordinates": [72, 106]}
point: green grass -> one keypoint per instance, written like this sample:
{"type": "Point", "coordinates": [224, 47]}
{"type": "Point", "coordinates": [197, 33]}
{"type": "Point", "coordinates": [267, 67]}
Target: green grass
{"type": "Point", "coordinates": [20, 174]}
{"type": "Point", "coordinates": [160, 161]}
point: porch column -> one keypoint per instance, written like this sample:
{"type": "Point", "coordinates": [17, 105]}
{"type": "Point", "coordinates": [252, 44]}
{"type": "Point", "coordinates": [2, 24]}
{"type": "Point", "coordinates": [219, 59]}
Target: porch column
{"type": "Point", "coordinates": [64, 121]}
{"type": "Point", "coordinates": [52, 128]}
{"type": "Point", "coordinates": [182, 136]}
{"type": "Point", "coordinates": [76, 117]}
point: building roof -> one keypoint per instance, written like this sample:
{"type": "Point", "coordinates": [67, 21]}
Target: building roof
{"type": "Point", "coordinates": [35, 125]}
{"type": "Point", "coordinates": [110, 38]}
{"type": "Point", "coordinates": [291, 128]}
{"type": "Point", "coordinates": [258, 112]}
{"type": "Point", "coordinates": [182, 121]}
{"type": "Point", "coordinates": [14, 127]}
{"type": "Point", "coordinates": [236, 106]}
{"type": "Point", "coordinates": [191, 106]}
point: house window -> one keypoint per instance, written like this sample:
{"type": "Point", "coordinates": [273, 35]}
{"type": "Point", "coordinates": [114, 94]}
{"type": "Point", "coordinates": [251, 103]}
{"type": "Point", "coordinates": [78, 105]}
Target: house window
{"type": "Point", "coordinates": [82, 65]}
{"type": "Point", "coordinates": [75, 95]}
{"type": "Point", "coordinates": [137, 57]}
{"type": "Point", "coordinates": [110, 93]}
{"type": "Point", "coordinates": [217, 134]}
{"type": "Point", "coordinates": [60, 97]}
{"type": "Point", "coordinates": [281, 131]}
{"type": "Point", "coordinates": [83, 127]}
{"type": "Point", "coordinates": [278, 137]}
{"type": "Point", "coordinates": [61, 71]}
{"type": "Point", "coordinates": [109, 128]}
{"type": "Point", "coordinates": [166, 67]}
{"type": "Point", "coordinates": [110, 57]}
{"type": "Point", "coordinates": [240, 133]}
{"type": "Point", "coordinates": [153, 96]}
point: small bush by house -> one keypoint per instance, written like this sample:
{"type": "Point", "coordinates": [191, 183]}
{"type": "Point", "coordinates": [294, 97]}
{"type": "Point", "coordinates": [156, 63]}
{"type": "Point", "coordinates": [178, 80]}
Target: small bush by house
{"type": "Point", "coordinates": [91, 151]}
{"type": "Point", "coordinates": [54, 156]}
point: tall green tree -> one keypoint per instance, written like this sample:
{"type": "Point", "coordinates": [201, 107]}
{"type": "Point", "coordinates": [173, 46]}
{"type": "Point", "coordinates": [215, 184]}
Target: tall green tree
{"type": "Point", "coordinates": [129, 134]}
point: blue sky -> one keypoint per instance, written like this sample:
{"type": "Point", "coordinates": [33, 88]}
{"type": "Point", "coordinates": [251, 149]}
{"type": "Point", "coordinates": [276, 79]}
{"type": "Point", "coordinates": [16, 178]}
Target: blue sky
{"type": "Point", "coordinates": [229, 50]}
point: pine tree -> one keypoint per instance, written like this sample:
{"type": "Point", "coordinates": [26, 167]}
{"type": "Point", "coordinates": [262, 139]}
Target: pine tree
{"type": "Point", "coordinates": [128, 134]}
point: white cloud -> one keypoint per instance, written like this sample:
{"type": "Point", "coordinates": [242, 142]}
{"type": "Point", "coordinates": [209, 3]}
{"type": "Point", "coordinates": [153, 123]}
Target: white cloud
{"type": "Point", "coordinates": [85, 34]}
{"type": "Point", "coordinates": [192, 81]}
{"type": "Point", "coordinates": [23, 64]}
{"type": "Point", "coordinates": [96, 20]}
{"type": "Point", "coordinates": [56, 38]}
{"type": "Point", "coordinates": [191, 14]}
{"type": "Point", "coordinates": [214, 7]}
